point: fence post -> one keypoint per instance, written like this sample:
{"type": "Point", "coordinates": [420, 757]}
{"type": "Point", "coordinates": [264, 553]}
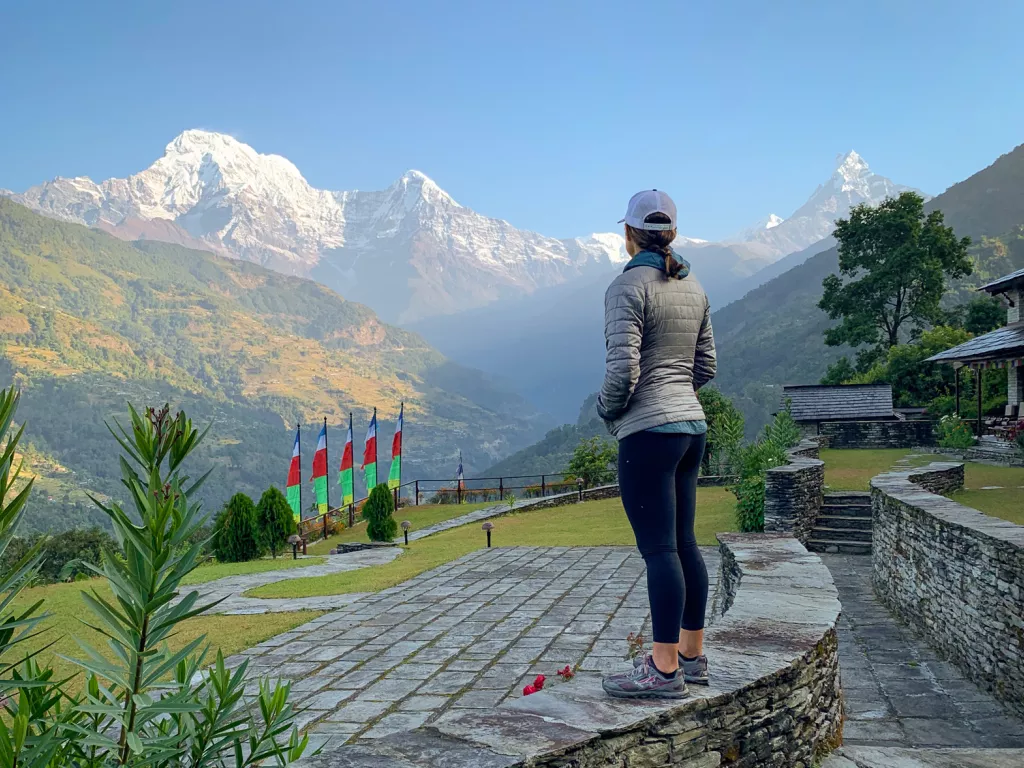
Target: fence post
{"type": "Point", "coordinates": [460, 492]}
{"type": "Point", "coordinates": [325, 525]}
{"type": "Point", "coordinates": [351, 515]}
{"type": "Point", "coordinates": [501, 488]}
{"type": "Point", "coordinates": [396, 499]}
{"type": "Point", "coordinates": [417, 493]}
{"type": "Point", "coordinates": [543, 486]}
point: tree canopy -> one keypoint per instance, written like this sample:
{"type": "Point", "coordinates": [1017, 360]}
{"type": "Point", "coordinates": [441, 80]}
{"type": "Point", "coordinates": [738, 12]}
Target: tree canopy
{"type": "Point", "coordinates": [896, 260]}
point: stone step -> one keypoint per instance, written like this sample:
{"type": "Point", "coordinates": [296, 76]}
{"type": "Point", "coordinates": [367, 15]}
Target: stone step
{"type": "Point", "coordinates": [846, 510]}
{"type": "Point", "coordinates": [841, 547]}
{"type": "Point", "coordinates": [860, 522]}
{"type": "Point", "coordinates": [848, 497]}
{"type": "Point", "coordinates": [840, 534]}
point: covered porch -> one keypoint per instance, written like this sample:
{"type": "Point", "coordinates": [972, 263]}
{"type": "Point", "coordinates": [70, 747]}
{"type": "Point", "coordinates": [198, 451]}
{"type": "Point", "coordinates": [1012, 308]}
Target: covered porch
{"type": "Point", "coordinates": [1001, 348]}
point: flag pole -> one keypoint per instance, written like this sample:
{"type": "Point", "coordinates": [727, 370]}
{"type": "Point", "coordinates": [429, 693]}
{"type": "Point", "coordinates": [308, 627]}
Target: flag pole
{"type": "Point", "coordinates": [376, 428]}
{"type": "Point", "coordinates": [401, 453]}
{"type": "Point", "coordinates": [298, 434]}
{"type": "Point", "coordinates": [327, 464]}
{"type": "Point", "coordinates": [352, 504]}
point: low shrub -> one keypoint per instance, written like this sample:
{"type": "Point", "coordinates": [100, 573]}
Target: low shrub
{"type": "Point", "coordinates": [275, 520]}
{"type": "Point", "coordinates": [378, 514]}
{"type": "Point", "coordinates": [236, 534]}
{"type": "Point", "coordinates": [65, 555]}
{"type": "Point", "coordinates": [954, 432]}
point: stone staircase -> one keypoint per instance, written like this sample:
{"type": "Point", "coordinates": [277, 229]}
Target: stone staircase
{"type": "Point", "coordinates": [843, 525]}
{"type": "Point", "coordinates": [994, 451]}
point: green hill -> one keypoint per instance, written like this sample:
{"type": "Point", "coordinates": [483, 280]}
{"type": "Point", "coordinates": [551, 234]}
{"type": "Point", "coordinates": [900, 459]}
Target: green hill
{"type": "Point", "coordinates": [553, 452]}
{"type": "Point", "coordinates": [773, 335]}
{"type": "Point", "coordinates": [88, 322]}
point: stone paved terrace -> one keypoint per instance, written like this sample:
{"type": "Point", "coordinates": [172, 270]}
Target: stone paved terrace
{"type": "Point", "coordinates": [430, 672]}
{"type": "Point", "coordinates": [464, 636]}
{"type": "Point", "coordinates": [897, 691]}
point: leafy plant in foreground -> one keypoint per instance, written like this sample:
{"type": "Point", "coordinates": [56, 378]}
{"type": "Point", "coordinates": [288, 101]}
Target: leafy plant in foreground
{"type": "Point", "coordinates": [144, 704]}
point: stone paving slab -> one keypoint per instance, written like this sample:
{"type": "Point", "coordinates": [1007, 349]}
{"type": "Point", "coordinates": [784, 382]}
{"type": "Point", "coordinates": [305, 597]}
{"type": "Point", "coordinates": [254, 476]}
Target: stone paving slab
{"type": "Point", "coordinates": [897, 691]}
{"type": "Point", "coordinates": [875, 757]}
{"type": "Point", "coordinates": [461, 638]}
{"type": "Point", "coordinates": [231, 588]}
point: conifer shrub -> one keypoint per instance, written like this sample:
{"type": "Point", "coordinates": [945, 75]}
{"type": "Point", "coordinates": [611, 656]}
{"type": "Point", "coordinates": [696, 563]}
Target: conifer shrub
{"type": "Point", "coordinates": [275, 520]}
{"type": "Point", "coordinates": [236, 537]}
{"type": "Point", "coordinates": [378, 514]}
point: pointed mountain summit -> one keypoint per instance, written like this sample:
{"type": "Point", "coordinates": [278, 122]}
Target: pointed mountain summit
{"type": "Point", "coordinates": [852, 182]}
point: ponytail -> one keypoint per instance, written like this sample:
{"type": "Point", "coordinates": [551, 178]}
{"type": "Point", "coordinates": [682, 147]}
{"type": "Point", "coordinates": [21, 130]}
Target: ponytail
{"type": "Point", "coordinates": [657, 241]}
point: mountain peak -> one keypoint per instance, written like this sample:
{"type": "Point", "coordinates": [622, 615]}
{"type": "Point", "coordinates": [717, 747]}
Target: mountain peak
{"type": "Point", "coordinates": [419, 184]}
{"type": "Point", "coordinates": [851, 166]}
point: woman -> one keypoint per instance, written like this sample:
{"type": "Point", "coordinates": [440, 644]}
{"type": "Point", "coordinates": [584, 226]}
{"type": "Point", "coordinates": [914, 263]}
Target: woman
{"type": "Point", "coordinates": [660, 351]}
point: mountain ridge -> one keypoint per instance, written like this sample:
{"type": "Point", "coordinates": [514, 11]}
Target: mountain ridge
{"type": "Point", "coordinates": [88, 321]}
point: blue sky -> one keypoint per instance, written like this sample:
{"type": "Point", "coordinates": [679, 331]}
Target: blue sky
{"type": "Point", "coordinates": [548, 114]}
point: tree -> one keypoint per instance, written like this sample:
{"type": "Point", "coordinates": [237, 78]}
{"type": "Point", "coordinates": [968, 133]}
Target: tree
{"type": "Point", "coordinates": [983, 314]}
{"type": "Point", "coordinates": [725, 427]}
{"type": "Point", "coordinates": [839, 372]}
{"type": "Point", "coordinates": [896, 260]}
{"type": "Point", "coordinates": [377, 512]}
{"type": "Point", "coordinates": [274, 520]}
{"type": "Point", "coordinates": [592, 461]}
{"type": "Point", "coordinates": [236, 535]}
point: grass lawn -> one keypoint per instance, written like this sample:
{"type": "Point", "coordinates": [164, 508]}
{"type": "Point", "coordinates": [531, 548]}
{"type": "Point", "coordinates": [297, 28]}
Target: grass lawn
{"type": "Point", "coordinates": [852, 470]}
{"type": "Point", "coordinates": [420, 517]}
{"type": "Point", "coordinates": [214, 570]}
{"type": "Point", "coordinates": [593, 523]}
{"type": "Point", "coordinates": [230, 633]}
{"type": "Point", "coordinates": [1007, 502]}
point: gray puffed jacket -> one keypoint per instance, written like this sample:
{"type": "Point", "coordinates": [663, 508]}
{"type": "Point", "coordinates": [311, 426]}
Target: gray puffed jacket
{"type": "Point", "coordinates": [659, 344]}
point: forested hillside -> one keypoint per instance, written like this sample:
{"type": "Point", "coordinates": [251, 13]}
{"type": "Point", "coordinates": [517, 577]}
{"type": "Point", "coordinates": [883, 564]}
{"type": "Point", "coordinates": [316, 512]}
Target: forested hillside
{"type": "Point", "coordinates": [88, 322]}
{"type": "Point", "coordinates": [773, 335]}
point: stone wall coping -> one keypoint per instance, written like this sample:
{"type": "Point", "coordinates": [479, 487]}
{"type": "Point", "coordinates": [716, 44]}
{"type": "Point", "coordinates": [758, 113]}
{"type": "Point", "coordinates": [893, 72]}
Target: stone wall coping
{"type": "Point", "coordinates": [902, 487]}
{"type": "Point", "coordinates": [784, 605]}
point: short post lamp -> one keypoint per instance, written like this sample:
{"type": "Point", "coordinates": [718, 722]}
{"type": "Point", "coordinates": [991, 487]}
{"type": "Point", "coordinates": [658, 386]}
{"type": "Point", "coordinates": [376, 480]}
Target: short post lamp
{"type": "Point", "coordinates": [579, 486]}
{"type": "Point", "coordinates": [488, 527]}
{"type": "Point", "coordinates": [294, 541]}
{"type": "Point", "coordinates": [406, 525]}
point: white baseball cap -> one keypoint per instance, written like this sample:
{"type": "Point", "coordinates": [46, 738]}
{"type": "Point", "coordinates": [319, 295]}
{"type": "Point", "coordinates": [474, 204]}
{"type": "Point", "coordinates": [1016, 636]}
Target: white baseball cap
{"type": "Point", "coordinates": [643, 204]}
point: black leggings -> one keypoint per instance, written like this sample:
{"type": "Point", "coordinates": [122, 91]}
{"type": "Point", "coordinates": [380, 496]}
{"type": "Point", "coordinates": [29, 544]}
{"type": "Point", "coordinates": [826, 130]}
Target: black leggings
{"type": "Point", "coordinates": [658, 480]}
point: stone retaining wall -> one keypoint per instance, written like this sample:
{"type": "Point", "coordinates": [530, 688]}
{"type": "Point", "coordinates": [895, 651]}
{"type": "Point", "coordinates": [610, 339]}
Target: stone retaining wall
{"type": "Point", "coordinates": [774, 698]}
{"type": "Point", "coordinates": [877, 434]}
{"type": "Point", "coordinates": [954, 574]}
{"type": "Point", "coordinates": [795, 492]}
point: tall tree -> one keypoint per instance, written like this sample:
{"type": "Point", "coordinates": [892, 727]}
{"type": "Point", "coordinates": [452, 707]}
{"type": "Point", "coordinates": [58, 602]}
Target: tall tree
{"type": "Point", "coordinates": [896, 260]}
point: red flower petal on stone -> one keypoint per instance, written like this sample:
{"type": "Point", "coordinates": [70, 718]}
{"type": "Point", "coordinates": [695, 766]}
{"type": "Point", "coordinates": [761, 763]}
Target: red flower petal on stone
{"type": "Point", "coordinates": [538, 682]}
{"type": "Point", "coordinates": [528, 690]}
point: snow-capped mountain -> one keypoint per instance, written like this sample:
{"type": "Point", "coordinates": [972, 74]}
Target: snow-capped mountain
{"type": "Point", "coordinates": [750, 233]}
{"type": "Point", "coordinates": [851, 183]}
{"type": "Point", "coordinates": [212, 191]}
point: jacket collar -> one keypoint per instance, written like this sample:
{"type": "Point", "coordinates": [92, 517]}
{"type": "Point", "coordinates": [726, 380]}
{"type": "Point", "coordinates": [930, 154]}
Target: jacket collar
{"type": "Point", "coordinates": [656, 260]}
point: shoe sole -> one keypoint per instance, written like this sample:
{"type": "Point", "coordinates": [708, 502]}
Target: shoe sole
{"type": "Point", "coordinates": [647, 694]}
{"type": "Point", "coordinates": [698, 681]}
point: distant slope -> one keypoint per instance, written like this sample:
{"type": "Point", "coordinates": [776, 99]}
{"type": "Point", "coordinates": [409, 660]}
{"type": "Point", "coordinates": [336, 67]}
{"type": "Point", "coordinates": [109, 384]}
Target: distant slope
{"type": "Point", "coordinates": [88, 321]}
{"type": "Point", "coordinates": [553, 452]}
{"type": "Point", "coordinates": [773, 335]}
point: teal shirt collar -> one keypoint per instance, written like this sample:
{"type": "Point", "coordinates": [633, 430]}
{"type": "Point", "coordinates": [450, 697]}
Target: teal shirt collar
{"type": "Point", "coordinates": [656, 260]}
